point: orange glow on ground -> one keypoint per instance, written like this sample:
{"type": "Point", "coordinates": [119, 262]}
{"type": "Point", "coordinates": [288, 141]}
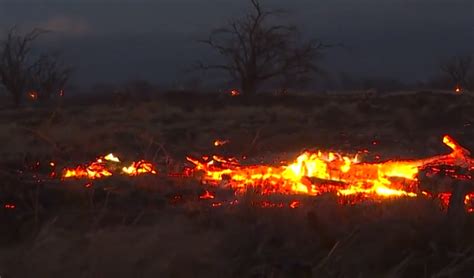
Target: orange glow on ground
{"type": "Point", "coordinates": [311, 173]}
{"type": "Point", "coordinates": [317, 172]}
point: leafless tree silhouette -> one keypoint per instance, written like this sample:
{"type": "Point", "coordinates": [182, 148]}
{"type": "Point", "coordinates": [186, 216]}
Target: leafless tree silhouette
{"type": "Point", "coordinates": [458, 69]}
{"type": "Point", "coordinates": [257, 50]}
{"type": "Point", "coordinates": [49, 76]}
{"type": "Point", "coordinates": [16, 61]}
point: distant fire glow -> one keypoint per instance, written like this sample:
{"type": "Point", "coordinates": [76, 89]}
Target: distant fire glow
{"type": "Point", "coordinates": [9, 206]}
{"type": "Point", "coordinates": [234, 93]}
{"type": "Point", "coordinates": [458, 90]}
{"type": "Point", "coordinates": [33, 95]}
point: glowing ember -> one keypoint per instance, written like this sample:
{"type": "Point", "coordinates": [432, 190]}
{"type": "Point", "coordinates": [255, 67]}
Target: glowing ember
{"type": "Point", "coordinates": [458, 90]}
{"type": "Point", "coordinates": [33, 95]}
{"type": "Point", "coordinates": [219, 143]}
{"type": "Point", "coordinates": [206, 195]}
{"type": "Point", "coordinates": [138, 168]}
{"type": "Point", "coordinates": [101, 168]}
{"type": "Point", "coordinates": [9, 206]}
{"type": "Point", "coordinates": [295, 204]}
{"type": "Point", "coordinates": [234, 93]}
{"type": "Point", "coordinates": [95, 170]}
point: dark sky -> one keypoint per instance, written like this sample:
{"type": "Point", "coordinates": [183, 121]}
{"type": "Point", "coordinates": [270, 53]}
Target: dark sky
{"type": "Point", "coordinates": [116, 40]}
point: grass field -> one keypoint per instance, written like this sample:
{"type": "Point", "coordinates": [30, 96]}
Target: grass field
{"type": "Point", "coordinates": [158, 227]}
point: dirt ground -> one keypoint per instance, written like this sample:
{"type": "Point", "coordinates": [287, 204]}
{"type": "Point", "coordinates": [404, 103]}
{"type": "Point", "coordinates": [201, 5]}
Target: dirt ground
{"type": "Point", "coordinates": [149, 227]}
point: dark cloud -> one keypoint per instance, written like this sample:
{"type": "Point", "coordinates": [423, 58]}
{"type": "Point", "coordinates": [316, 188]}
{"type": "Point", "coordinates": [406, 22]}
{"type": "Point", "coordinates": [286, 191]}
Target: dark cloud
{"type": "Point", "coordinates": [116, 39]}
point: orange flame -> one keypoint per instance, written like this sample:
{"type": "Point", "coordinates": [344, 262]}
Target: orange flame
{"type": "Point", "coordinates": [100, 168]}
{"type": "Point", "coordinates": [219, 143]}
{"type": "Point", "coordinates": [138, 168]}
{"type": "Point", "coordinates": [318, 172]}
{"type": "Point", "coordinates": [295, 204]}
{"type": "Point", "coordinates": [207, 195]}
{"type": "Point", "coordinates": [95, 170]}
{"type": "Point", "coordinates": [311, 173]}
{"type": "Point", "coordinates": [111, 157]}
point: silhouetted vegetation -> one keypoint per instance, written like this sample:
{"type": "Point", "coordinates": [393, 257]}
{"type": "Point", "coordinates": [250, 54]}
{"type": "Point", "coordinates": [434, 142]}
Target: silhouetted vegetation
{"type": "Point", "coordinates": [22, 72]}
{"type": "Point", "coordinates": [256, 50]}
{"type": "Point", "coordinates": [458, 69]}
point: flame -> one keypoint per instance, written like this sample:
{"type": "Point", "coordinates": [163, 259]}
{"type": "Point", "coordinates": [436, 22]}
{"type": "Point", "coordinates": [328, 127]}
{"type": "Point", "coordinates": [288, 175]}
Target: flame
{"type": "Point", "coordinates": [101, 168]}
{"type": "Point", "coordinates": [314, 173]}
{"type": "Point", "coordinates": [138, 168]}
{"type": "Point", "coordinates": [95, 170]}
{"type": "Point", "coordinates": [295, 204]}
{"type": "Point", "coordinates": [219, 143]}
{"type": "Point", "coordinates": [234, 93]}
{"type": "Point", "coordinates": [311, 173]}
{"type": "Point", "coordinates": [111, 157]}
{"type": "Point", "coordinates": [207, 195]}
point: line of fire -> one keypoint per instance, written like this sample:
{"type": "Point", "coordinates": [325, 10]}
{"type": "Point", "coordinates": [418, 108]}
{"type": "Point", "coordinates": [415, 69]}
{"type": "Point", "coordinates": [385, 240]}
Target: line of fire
{"type": "Point", "coordinates": [313, 173]}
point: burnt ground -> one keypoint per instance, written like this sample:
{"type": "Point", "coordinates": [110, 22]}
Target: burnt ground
{"type": "Point", "coordinates": [158, 227]}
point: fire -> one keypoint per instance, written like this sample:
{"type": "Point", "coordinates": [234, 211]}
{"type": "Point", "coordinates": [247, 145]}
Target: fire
{"type": "Point", "coordinates": [33, 95]}
{"type": "Point", "coordinates": [219, 143]}
{"type": "Point", "coordinates": [95, 170]}
{"type": "Point", "coordinates": [295, 204]}
{"type": "Point", "coordinates": [111, 157]}
{"type": "Point", "coordinates": [458, 90]}
{"type": "Point", "coordinates": [103, 167]}
{"type": "Point", "coordinates": [311, 173]}
{"type": "Point", "coordinates": [207, 195]}
{"type": "Point", "coordinates": [314, 173]}
{"type": "Point", "coordinates": [9, 206]}
{"type": "Point", "coordinates": [138, 168]}
{"type": "Point", "coordinates": [234, 93]}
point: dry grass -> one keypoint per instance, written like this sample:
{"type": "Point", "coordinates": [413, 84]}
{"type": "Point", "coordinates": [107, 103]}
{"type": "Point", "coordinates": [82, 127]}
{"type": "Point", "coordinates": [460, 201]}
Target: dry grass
{"type": "Point", "coordinates": [123, 228]}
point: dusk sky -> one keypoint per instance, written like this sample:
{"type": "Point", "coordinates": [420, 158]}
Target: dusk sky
{"type": "Point", "coordinates": [114, 40]}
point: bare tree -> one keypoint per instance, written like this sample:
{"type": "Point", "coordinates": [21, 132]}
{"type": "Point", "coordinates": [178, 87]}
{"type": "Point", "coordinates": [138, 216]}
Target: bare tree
{"type": "Point", "coordinates": [458, 69]}
{"type": "Point", "coordinates": [15, 61]}
{"type": "Point", "coordinates": [49, 76]}
{"type": "Point", "coordinates": [257, 50]}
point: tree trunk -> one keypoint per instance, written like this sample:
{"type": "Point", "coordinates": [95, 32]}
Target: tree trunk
{"type": "Point", "coordinates": [249, 87]}
{"type": "Point", "coordinates": [44, 96]}
{"type": "Point", "coordinates": [16, 98]}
